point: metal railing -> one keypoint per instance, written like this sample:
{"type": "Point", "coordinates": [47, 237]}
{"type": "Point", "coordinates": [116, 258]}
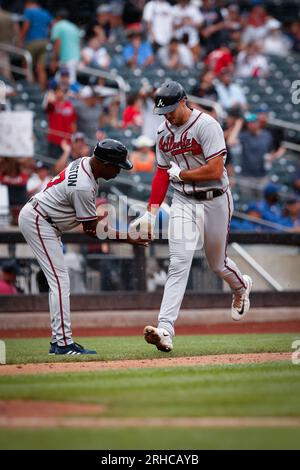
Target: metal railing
{"type": "Point", "coordinates": [114, 77]}
{"type": "Point", "coordinates": [17, 51]}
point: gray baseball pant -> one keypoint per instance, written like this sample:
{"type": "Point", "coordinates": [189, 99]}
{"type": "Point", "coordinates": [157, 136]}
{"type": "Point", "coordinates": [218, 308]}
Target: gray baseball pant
{"type": "Point", "coordinates": [192, 221]}
{"type": "Point", "coordinates": [45, 243]}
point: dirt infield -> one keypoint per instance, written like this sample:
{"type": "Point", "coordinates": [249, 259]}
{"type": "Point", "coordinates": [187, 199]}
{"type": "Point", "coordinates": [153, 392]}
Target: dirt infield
{"type": "Point", "coordinates": [59, 367]}
{"type": "Point", "coordinates": [18, 414]}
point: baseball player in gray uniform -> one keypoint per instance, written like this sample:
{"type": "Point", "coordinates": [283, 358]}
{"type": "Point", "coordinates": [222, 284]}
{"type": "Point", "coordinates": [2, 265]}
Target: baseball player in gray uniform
{"type": "Point", "coordinates": [191, 154]}
{"type": "Point", "coordinates": [68, 201]}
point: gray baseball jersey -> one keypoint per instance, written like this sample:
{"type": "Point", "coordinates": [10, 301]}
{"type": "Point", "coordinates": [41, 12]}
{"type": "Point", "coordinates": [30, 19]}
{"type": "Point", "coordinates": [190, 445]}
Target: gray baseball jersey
{"type": "Point", "coordinates": [69, 198]}
{"type": "Point", "coordinates": [192, 145]}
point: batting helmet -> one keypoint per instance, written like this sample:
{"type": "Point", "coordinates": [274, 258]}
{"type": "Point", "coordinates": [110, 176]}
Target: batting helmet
{"type": "Point", "coordinates": [168, 96]}
{"type": "Point", "coordinates": [113, 152]}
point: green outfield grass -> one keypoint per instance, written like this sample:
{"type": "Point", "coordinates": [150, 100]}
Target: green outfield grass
{"type": "Point", "coordinates": [256, 390]}
{"type": "Point", "coordinates": [21, 351]}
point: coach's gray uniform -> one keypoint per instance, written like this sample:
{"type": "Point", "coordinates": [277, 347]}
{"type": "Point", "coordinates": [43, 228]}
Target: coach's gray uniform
{"type": "Point", "coordinates": [67, 201]}
{"type": "Point", "coordinates": [192, 145]}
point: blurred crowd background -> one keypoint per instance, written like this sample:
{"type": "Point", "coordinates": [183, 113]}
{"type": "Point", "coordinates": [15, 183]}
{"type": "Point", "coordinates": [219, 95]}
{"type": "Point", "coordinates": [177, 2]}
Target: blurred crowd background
{"type": "Point", "coordinates": [95, 68]}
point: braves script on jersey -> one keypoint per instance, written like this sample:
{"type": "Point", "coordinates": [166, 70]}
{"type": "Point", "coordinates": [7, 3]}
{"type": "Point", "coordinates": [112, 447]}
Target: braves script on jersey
{"type": "Point", "coordinates": [192, 145]}
{"type": "Point", "coordinates": [69, 198]}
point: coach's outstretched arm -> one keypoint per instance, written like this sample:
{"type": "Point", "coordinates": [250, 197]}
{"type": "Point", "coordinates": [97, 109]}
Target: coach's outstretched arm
{"type": "Point", "coordinates": [145, 224]}
{"type": "Point", "coordinates": [95, 229]}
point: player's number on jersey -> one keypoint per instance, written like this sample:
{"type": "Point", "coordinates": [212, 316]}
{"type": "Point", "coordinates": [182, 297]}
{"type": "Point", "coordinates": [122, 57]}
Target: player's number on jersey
{"type": "Point", "coordinates": [56, 180]}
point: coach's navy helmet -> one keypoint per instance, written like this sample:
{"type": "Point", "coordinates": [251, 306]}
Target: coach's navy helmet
{"type": "Point", "coordinates": [113, 152]}
{"type": "Point", "coordinates": [168, 96]}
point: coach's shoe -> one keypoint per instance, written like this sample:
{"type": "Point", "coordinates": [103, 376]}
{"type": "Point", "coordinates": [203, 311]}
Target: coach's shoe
{"type": "Point", "coordinates": [241, 303]}
{"type": "Point", "coordinates": [73, 349]}
{"type": "Point", "coordinates": [52, 349]}
{"type": "Point", "coordinates": [160, 337]}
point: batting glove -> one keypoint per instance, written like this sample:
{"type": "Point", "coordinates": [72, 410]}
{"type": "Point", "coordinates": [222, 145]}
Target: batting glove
{"type": "Point", "coordinates": [143, 227]}
{"type": "Point", "coordinates": [174, 173]}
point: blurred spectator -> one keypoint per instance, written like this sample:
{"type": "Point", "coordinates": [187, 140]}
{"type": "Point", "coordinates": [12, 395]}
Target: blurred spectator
{"type": "Point", "coordinates": [292, 213]}
{"type": "Point", "coordinates": [251, 62]}
{"type": "Point", "coordinates": [230, 94]}
{"type": "Point", "coordinates": [63, 80]}
{"type": "Point", "coordinates": [232, 129]}
{"type": "Point", "coordinates": [256, 143]}
{"type": "Point", "coordinates": [94, 54]}
{"type": "Point", "coordinates": [104, 23]}
{"type": "Point", "coordinates": [34, 33]}
{"type": "Point", "coordinates": [233, 20]}
{"type": "Point", "coordinates": [150, 120]}
{"type": "Point", "coordinates": [213, 33]}
{"type": "Point", "coordinates": [269, 206]}
{"type": "Point", "coordinates": [8, 35]}
{"type": "Point", "coordinates": [207, 88]}
{"type": "Point", "coordinates": [219, 59]}
{"type": "Point", "coordinates": [277, 149]}
{"type": "Point", "coordinates": [137, 53]}
{"type": "Point", "coordinates": [256, 28]}
{"type": "Point", "coordinates": [66, 43]}
{"type": "Point", "coordinates": [133, 11]}
{"type": "Point", "coordinates": [295, 35]}
{"type": "Point", "coordinates": [276, 42]}
{"type": "Point", "coordinates": [158, 17]}
{"type": "Point", "coordinates": [132, 116]}
{"type": "Point", "coordinates": [175, 56]}
{"type": "Point", "coordinates": [15, 178]}
{"type": "Point", "coordinates": [39, 179]}
{"type": "Point", "coordinates": [88, 111]}
{"type": "Point", "coordinates": [143, 158]}
{"type": "Point", "coordinates": [187, 20]}
{"type": "Point", "coordinates": [8, 276]}
{"type": "Point", "coordinates": [61, 120]}
{"type": "Point", "coordinates": [242, 225]}
{"type": "Point", "coordinates": [77, 149]}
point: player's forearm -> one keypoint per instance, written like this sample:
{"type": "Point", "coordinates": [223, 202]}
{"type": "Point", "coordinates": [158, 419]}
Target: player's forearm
{"type": "Point", "coordinates": [203, 173]}
{"type": "Point", "coordinates": [159, 190]}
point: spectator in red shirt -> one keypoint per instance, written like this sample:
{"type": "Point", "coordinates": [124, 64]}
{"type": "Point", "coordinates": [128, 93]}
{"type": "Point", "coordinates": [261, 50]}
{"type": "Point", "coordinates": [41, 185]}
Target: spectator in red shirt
{"type": "Point", "coordinates": [132, 116]}
{"type": "Point", "coordinates": [15, 178]}
{"type": "Point", "coordinates": [8, 278]}
{"type": "Point", "coordinates": [61, 119]}
{"type": "Point", "coordinates": [219, 59]}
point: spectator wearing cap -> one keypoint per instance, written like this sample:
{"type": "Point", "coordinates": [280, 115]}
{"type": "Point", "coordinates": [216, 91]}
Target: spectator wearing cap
{"type": "Point", "coordinates": [158, 16]}
{"type": "Point", "coordinates": [63, 79]}
{"type": "Point", "coordinates": [137, 53]}
{"type": "Point", "coordinates": [251, 62]}
{"type": "Point", "coordinates": [270, 207]}
{"type": "Point", "coordinates": [71, 151]}
{"type": "Point", "coordinates": [243, 225]}
{"type": "Point", "coordinates": [39, 179]}
{"type": "Point", "coordinates": [65, 36]}
{"type": "Point", "coordinates": [150, 121]}
{"type": "Point", "coordinates": [256, 143]}
{"type": "Point", "coordinates": [187, 20]}
{"type": "Point", "coordinates": [275, 42]}
{"type": "Point", "coordinates": [143, 157]}
{"type": "Point", "coordinates": [175, 56]}
{"type": "Point", "coordinates": [34, 34]}
{"type": "Point", "coordinates": [61, 119]}
{"type": "Point", "coordinates": [278, 149]}
{"type": "Point", "coordinates": [95, 54]}
{"type": "Point", "coordinates": [103, 24]}
{"type": "Point", "coordinates": [8, 277]}
{"type": "Point", "coordinates": [89, 109]}
{"type": "Point", "coordinates": [230, 94]}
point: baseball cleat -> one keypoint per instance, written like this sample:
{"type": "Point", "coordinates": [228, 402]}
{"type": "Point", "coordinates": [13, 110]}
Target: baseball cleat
{"type": "Point", "coordinates": [241, 303]}
{"type": "Point", "coordinates": [159, 337]}
{"type": "Point", "coordinates": [52, 349]}
{"type": "Point", "coordinates": [73, 349]}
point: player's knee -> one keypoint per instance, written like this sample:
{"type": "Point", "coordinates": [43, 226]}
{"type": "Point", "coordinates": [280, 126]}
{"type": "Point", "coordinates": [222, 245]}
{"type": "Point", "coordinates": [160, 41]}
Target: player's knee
{"type": "Point", "coordinates": [178, 264]}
